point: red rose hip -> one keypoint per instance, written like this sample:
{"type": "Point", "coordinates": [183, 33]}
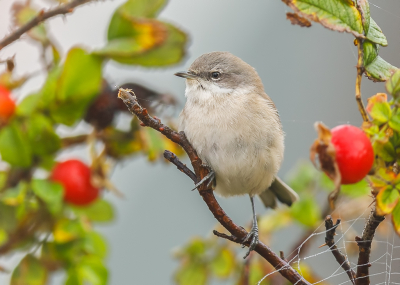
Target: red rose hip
{"type": "Point", "coordinates": [74, 175]}
{"type": "Point", "coordinates": [7, 105]}
{"type": "Point", "coordinates": [354, 153]}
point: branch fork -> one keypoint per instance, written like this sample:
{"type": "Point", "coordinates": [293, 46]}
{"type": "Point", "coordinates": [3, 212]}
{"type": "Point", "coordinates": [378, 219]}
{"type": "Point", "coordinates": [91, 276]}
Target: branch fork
{"type": "Point", "coordinates": [237, 232]}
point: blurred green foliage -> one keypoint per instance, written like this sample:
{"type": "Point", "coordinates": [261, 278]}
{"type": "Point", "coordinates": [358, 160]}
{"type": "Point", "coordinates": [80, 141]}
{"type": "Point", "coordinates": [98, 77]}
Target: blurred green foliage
{"type": "Point", "coordinates": [34, 217]}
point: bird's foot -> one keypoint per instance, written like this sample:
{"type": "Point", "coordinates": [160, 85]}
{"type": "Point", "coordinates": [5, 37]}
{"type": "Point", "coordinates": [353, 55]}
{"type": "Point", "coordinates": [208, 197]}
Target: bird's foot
{"type": "Point", "coordinates": [251, 237]}
{"type": "Point", "coordinates": [210, 177]}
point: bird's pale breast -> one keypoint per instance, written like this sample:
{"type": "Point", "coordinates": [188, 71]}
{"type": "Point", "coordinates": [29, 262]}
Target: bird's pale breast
{"type": "Point", "coordinates": [240, 139]}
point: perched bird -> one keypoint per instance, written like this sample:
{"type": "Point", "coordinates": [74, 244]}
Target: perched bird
{"type": "Point", "coordinates": [235, 128]}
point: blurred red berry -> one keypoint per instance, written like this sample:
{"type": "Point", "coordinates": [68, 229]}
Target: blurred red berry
{"type": "Point", "coordinates": [75, 176]}
{"type": "Point", "coordinates": [7, 105]}
{"type": "Point", "coordinates": [4, 91]}
{"type": "Point", "coordinates": [354, 153]}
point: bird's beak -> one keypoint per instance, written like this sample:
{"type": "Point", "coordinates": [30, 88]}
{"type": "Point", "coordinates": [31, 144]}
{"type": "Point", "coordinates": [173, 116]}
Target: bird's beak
{"type": "Point", "coordinates": [186, 75]}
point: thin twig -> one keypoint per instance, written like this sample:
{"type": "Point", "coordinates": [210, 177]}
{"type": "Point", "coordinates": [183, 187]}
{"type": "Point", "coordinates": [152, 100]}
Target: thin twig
{"type": "Point", "coordinates": [26, 229]}
{"type": "Point", "coordinates": [364, 245]}
{"type": "Point", "coordinates": [238, 233]}
{"type": "Point", "coordinates": [42, 16]}
{"type": "Point", "coordinates": [171, 157]}
{"type": "Point", "coordinates": [360, 71]}
{"type": "Point", "coordinates": [71, 141]}
{"type": "Point", "coordinates": [330, 241]}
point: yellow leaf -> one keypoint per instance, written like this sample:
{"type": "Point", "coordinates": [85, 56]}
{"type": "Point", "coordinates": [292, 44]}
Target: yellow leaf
{"type": "Point", "coordinates": [150, 33]}
{"type": "Point", "coordinates": [66, 230]}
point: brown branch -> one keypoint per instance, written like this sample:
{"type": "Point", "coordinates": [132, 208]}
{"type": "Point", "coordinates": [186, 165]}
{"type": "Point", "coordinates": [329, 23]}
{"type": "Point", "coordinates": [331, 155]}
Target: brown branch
{"type": "Point", "coordinates": [238, 233]}
{"type": "Point", "coordinates": [171, 157]}
{"type": "Point", "coordinates": [330, 241]}
{"type": "Point", "coordinates": [70, 141]}
{"type": "Point", "coordinates": [14, 176]}
{"type": "Point", "coordinates": [24, 231]}
{"type": "Point", "coordinates": [42, 16]}
{"type": "Point", "coordinates": [364, 245]}
{"type": "Point", "coordinates": [360, 71]}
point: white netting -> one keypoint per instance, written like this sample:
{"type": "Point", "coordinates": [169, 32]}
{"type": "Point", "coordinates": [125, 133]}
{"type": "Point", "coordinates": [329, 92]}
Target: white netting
{"type": "Point", "coordinates": [384, 259]}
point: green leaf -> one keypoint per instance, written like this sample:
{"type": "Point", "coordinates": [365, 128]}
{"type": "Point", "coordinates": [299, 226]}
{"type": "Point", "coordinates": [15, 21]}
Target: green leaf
{"type": "Point", "coordinates": [303, 177]}
{"type": "Point", "coordinates": [3, 236]}
{"type": "Point", "coordinates": [358, 189]}
{"type": "Point", "coordinates": [121, 143]}
{"type": "Point", "coordinates": [8, 217]}
{"type": "Point", "coordinates": [337, 15]}
{"type": "Point", "coordinates": [394, 122]}
{"type": "Point", "coordinates": [365, 14]}
{"type": "Point", "coordinates": [396, 218]}
{"type": "Point", "coordinates": [192, 273]}
{"type": "Point", "coordinates": [29, 271]}
{"type": "Point", "coordinates": [79, 82]}
{"type": "Point", "coordinates": [14, 146]}
{"type": "Point", "coordinates": [123, 47]}
{"type": "Point", "coordinates": [385, 151]}
{"type": "Point", "coordinates": [381, 112]}
{"type": "Point", "coordinates": [142, 8]}
{"type": "Point", "coordinates": [121, 24]}
{"type": "Point", "coordinates": [81, 76]}
{"type": "Point", "coordinates": [376, 68]}
{"type": "Point", "coordinates": [91, 269]}
{"type": "Point", "coordinates": [72, 278]}
{"type": "Point", "coordinates": [16, 195]}
{"type": "Point", "coordinates": [98, 211]}
{"type": "Point", "coordinates": [42, 136]}
{"type": "Point", "coordinates": [169, 52]}
{"type": "Point", "coordinates": [66, 230]}
{"type": "Point", "coordinates": [370, 52]}
{"type": "Point", "coordinates": [49, 90]}
{"type": "Point", "coordinates": [393, 84]}
{"type": "Point", "coordinates": [375, 33]}
{"type": "Point", "coordinates": [51, 193]}
{"type": "Point", "coordinates": [306, 211]}
{"type": "Point", "coordinates": [3, 178]}
{"type": "Point", "coordinates": [256, 272]}
{"type": "Point", "coordinates": [196, 247]}
{"type": "Point", "coordinates": [95, 244]}
{"type": "Point", "coordinates": [386, 200]}
{"type": "Point", "coordinates": [28, 105]}
{"type": "Point", "coordinates": [56, 55]}
{"type": "Point", "coordinates": [223, 264]}
{"type": "Point", "coordinates": [379, 70]}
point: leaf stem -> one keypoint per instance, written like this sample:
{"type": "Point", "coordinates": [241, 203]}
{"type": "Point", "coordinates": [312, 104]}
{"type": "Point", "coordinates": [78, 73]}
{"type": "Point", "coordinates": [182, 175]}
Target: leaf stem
{"type": "Point", "coordinates": [360, 71]}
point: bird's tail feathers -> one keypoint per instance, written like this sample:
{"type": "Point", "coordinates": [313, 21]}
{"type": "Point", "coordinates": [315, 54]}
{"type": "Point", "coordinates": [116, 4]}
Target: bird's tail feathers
{"type": "Point", "coordinates": [278, 190]}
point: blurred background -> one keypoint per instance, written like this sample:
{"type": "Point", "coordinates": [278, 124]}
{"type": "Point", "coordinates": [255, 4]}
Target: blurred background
{"type": "Point", "coordinates": [308, 72]}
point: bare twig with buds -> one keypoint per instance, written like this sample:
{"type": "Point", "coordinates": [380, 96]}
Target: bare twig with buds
{"type": "Point", "coordinates": [330, 241]}
{"type": "Point", "coordinates": [42, 16]}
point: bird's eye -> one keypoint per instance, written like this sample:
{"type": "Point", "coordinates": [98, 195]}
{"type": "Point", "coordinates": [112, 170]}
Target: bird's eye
{"type": "Point", "coordinates": [215, 75]}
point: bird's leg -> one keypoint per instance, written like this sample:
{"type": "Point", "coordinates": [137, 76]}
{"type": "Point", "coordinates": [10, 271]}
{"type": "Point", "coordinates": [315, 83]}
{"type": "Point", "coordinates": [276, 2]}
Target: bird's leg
{"type": "Point", "coordinates": [210, 177]}
{"type": "Point", "coordinates": [252, 236]}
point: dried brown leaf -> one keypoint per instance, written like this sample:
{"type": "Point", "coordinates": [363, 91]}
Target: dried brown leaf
{"type": "Point", "coordinates": [298, 20]}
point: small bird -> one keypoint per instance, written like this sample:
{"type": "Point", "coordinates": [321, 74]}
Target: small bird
{"type": "Point", "coordinates": [235, 128]}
